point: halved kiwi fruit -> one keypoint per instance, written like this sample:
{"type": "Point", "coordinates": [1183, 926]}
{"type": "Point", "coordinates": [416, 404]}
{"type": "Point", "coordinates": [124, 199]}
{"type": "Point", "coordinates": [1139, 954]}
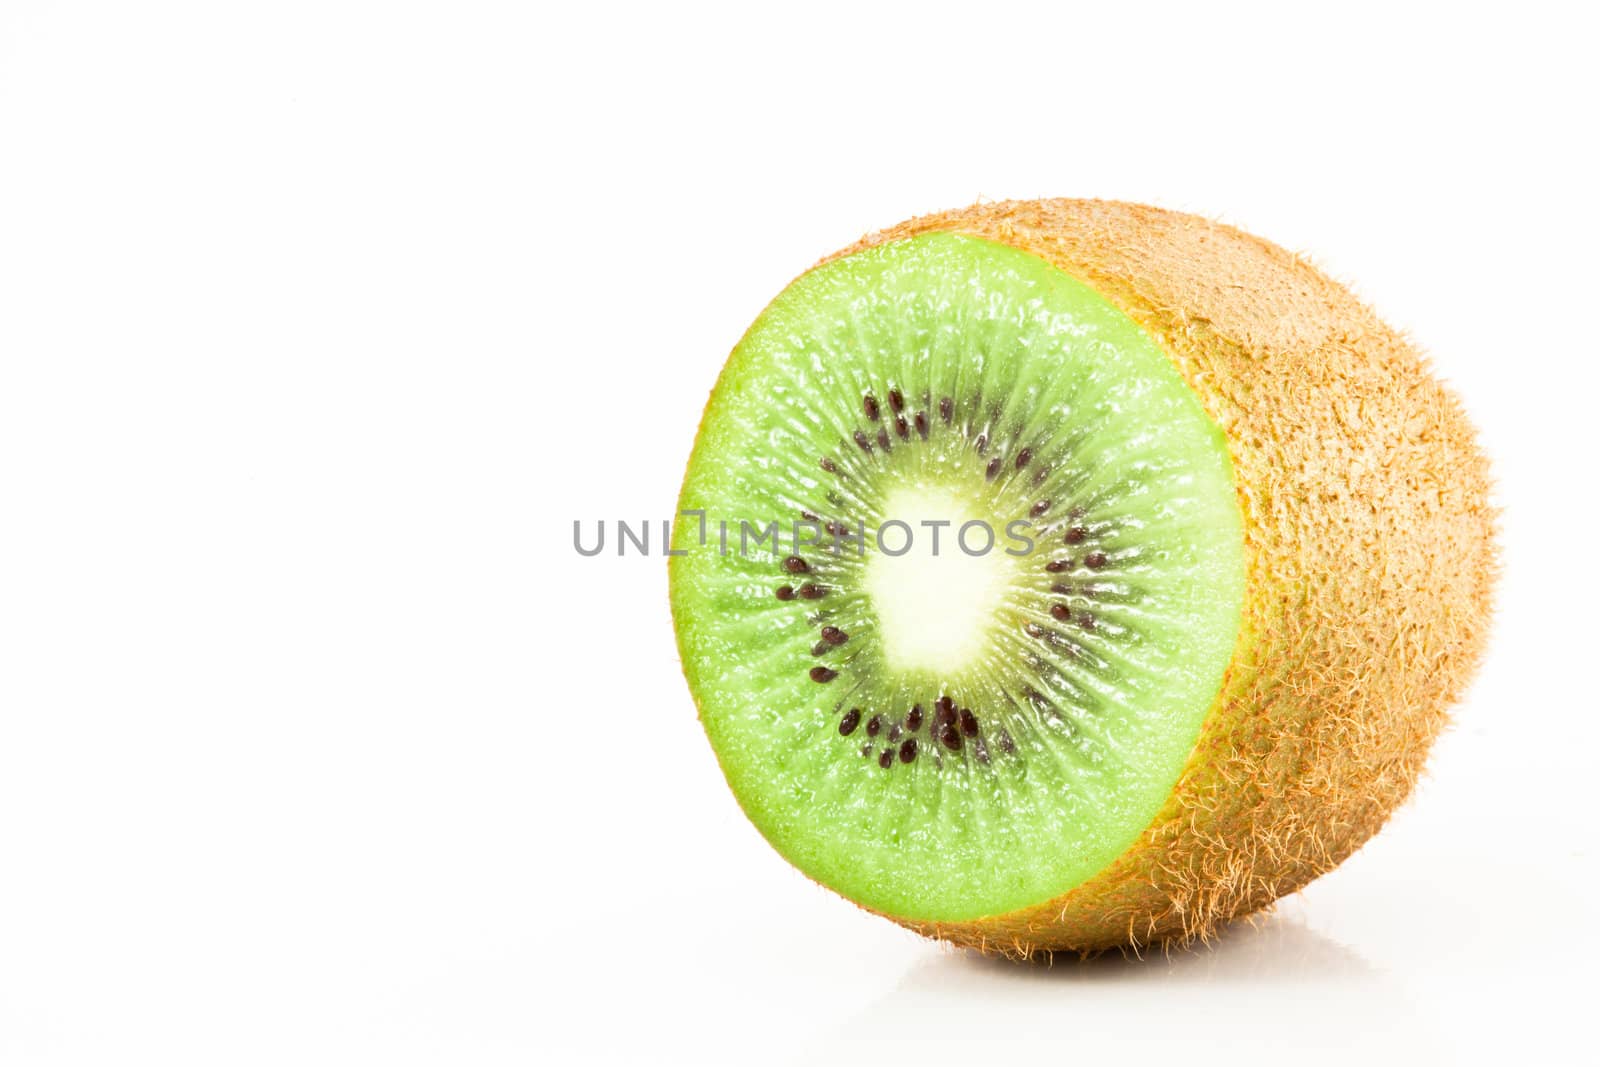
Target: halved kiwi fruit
{"type": "Point", "coordinates": [1071, 574]}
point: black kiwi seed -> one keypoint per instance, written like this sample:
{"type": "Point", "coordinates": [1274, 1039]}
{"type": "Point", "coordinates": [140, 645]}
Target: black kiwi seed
{"type": "Point", "coordinates": [1056, 566]}
{"type": "Point", "coordinates": [993, 468]}
{"type": "Point", "coordinates": [895, 731]}
{"type": "Point", "coordinates": [863, 441]}
{"type": "Point", "coordinates": [1075, 535]}
{"type": "Point", "coordinates": [1033, 629]}
{"type": "Point", "coordinates": [886, 758]}
{"type": "Point", "coordinates": [1023, 457]}
{"type": "Point", "coordinates": [947, 408]}
{"type": "Point", "coordinates": [834, 636]}
{"type": "Point", "coordinates": [823, 674]}
{"type": "Point", "coordinates": [828, 465]}
{"type": "Point", "coordinates": [813, 592]}
{"type": "Point", "coordinates": [795, 565]}
{"type": "Point", "coordinates": [969, 722]}
{"type": "Point", "coordinates": [820, 647]}
{"type": "Point", "coordinates": [1062, 590]}
{"type": "Point", "coordinates": [1006, 744]}
{"type": "Point", "coordinates": [874, 726]}
{"type": "Point", "coordinates": [914, 719]}
{"type": "Point", "coordinates": [908, 750]}
{"type": "Point", "coordinates": [883, 440]}
{"type": "Point", "coordinates": [784, 592]}
{"type": "Point", "coordinates": [851, 720]}
{"type": "Point", "coordinates": [902, 428]}
{"type": "Point", "coordinates": [921, 422]}
{"type": "Point", "coordinates": [1087, 620]}
{"type": "Point", "coordinates": [896, 401]}
{"type": "Point", "coordinates": [1039, 509]}
{"type": "Point", "coordinates": [866, 749]}
{"type": "Point", "coordinates": [947, 708]}
{"type": "Point", "coordinates": [950, 738]}
{"type": "Point", "coordinates": [869, 404]}
{"type": "Point", "coordinates": [1060, 611]}
{"type": "Point", "coordinates": [982, 443]}
{"type": "Point", "coordinates": [806, 515]}
{"type": "Point", "coordinates": [1095, 560]}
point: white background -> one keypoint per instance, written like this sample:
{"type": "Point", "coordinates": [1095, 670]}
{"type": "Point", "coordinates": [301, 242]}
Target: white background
{"type": "Point", "coordinates": [321, 323]}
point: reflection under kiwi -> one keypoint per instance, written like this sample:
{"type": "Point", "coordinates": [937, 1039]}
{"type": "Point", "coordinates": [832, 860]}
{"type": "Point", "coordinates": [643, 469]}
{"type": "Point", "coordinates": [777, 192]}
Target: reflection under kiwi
{"type": "Point", "coordinates": [1274, 984]}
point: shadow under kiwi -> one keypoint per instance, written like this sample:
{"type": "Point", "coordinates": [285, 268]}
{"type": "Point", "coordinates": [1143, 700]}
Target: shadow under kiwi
{"type": "Point", "coordinates": [1271, 986]}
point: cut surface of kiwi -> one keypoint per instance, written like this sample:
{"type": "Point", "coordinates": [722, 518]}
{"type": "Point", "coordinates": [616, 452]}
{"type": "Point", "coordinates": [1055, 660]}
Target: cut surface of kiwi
{"type": "Point", "coordinates": [1017, 585]}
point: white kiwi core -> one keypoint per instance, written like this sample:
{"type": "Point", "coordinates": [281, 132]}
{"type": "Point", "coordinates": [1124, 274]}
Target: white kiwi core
{"type": "Point", "coordinates": [937, 577]}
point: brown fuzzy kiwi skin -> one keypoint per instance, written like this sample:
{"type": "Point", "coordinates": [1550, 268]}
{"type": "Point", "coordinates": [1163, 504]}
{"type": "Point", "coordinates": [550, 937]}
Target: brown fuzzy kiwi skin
{"type": "Point", "coordinates": [1371, 557]}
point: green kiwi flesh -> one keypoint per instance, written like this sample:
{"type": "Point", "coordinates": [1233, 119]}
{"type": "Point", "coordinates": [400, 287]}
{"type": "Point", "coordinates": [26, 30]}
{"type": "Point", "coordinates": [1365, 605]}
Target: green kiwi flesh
{"type": "Point", "coordinates": [946, 737]}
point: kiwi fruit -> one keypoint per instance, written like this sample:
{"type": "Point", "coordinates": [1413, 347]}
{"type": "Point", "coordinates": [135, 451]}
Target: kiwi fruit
{"type": "Point", "coordinates": [1067, 575]}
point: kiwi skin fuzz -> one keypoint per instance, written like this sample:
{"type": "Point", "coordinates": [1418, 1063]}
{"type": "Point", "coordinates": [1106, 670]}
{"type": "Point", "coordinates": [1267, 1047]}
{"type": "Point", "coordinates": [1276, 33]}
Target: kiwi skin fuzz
{"type": "Point", "coordinates": [1370, 553]}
